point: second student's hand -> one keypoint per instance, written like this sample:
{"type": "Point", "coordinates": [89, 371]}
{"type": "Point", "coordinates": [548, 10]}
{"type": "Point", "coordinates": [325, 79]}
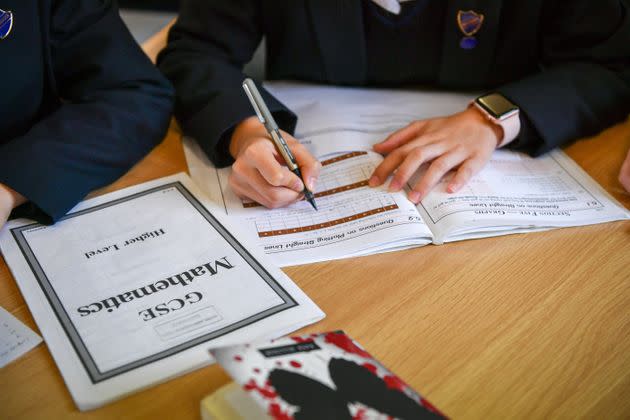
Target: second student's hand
{"type": "Point", "coordinates": [259, 172]}
{"type": "Point", "coordinates": [9, 199]}
{"type": "Point", "coordinates": [463, 141]}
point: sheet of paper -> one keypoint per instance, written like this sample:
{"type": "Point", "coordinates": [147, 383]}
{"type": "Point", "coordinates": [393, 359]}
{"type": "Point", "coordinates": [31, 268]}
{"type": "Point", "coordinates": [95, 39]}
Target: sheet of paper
{"type": "Point", "coordinates": [341, 119]}
{"type": "Point", "coordinates": [352, 219]}
{"type": "Point", "coordinates": [130, 288]}
{"type": "Point", "coordinates": [516, 193]}
{"type": "Point", "coordinates": [15, 338]}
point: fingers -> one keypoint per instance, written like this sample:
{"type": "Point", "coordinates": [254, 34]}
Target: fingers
{"type": "Point", "coordinates": [438, 168]}
{"type": "Point", "coordinates": [413, 161]}
{"type": "Point", "coordinates": [261, 156]}
{"type": "Point", "coordinates": [278, 175]}
{"type": "Point", "coordinates": [309, 166]}
{"type": "Point", "coordinates": [463, 140]}
{"type": "Point", "coordinates": [387, 166]}
{"type": "Point", "coordinates": [250, 184]}
{"type": "Point", "coordinates": [422, 149]}
{"type": "Point", "coordinates": [400, 137]}
{"type": "Point", "coordinates": [258, 175]}
{"type": "Point", "coordinates": [465, 172]}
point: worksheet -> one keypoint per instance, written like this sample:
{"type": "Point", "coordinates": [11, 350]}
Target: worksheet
{"type": "Point", "coordinates": [352, 218]}
{"type": "Point", "coordinates": [514, 193]}
{"type": "Point", "coordinates": [131, 288]}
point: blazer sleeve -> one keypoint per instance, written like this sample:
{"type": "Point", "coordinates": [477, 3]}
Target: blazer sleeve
{"type": "Point", "coordinates": [207, 49]}
{"type": "Point", "coordinates": [584, 82]}
{"type": "Point", "coordinates": [115, 107]}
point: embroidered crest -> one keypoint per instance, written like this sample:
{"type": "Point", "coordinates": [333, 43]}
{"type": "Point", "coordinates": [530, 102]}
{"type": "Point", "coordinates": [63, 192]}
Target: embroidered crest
{"type": "Point", "coordinates": [469, 22]}
{"type": "Point", "coordinates": [6, 23]}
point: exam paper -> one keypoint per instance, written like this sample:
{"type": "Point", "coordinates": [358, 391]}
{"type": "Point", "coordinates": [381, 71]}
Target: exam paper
{"type": "Point", "coordinates": [15, 338]}
{"type": "Point", "coordinates": [133, 287]}
{"type": "Point", "coordinates": [352, 219]}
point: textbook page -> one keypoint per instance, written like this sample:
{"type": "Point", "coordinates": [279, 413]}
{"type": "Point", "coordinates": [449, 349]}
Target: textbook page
{"type": "Point", "coordinates": [352, 219]}
{"type": "Point", "coordinates": [517, 193]}
{"type": "Point", "coordinates": [341, 119]}
{"type": "Point", "coordinates": [132, 288]}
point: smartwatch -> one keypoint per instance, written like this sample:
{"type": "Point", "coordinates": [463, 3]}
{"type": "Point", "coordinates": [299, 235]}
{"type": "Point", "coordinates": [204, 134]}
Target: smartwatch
{"type": "Point", "coordinates": [502, 112]}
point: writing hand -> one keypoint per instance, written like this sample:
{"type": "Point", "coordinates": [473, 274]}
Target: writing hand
{"type": "Point", "coordinates": [259, 172]}
{"type": "Point", "coordinates": [464, 141]}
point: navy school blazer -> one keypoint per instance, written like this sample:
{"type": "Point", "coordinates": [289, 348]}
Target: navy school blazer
{"type": "Point", "coordinates": [80, 102]}
{"type": "Point", "coordinates": [565, 64]}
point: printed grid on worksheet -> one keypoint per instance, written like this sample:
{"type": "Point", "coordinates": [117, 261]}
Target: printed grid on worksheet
{"type": "Point", "coordinates": [513, 184]}
{"type": "Point", "coordinates": [342, 196]}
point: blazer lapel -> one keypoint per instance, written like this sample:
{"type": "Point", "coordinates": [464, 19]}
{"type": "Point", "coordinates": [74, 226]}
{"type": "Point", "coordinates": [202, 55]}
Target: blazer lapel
{"type": "Point", "coordinates": [462, 68]}
{"type": "Point", "coordinates": [338, 26]}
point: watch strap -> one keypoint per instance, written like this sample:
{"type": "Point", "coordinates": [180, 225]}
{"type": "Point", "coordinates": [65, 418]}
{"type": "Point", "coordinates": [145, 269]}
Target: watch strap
{"type": "Point", "coordinates": [511, 125]}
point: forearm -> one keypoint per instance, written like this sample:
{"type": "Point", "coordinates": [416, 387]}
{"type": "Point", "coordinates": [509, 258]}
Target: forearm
{"type": "Point", "coordinates": [207, 49]}
{"type": "Point", "coordinates": [82, 147]}
{"type": "Point", "coordinates": [113, 107]}
{"type": "Point", "coordinates": [210, 101]}
{"type": "Point", "coordinates": [567, 102]}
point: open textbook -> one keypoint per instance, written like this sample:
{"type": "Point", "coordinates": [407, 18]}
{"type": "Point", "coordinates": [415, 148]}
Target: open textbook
{"type": "Point", "coordinates": [514, 193]}
{"type": "Point", "coordinates": [133, 287]}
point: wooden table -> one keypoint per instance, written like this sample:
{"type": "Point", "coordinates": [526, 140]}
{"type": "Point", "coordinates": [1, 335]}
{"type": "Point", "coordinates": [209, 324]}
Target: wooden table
{"type": "Point", "coordinates": [534, 325]}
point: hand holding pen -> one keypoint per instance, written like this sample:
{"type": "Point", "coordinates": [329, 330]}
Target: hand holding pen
{"type": "Point", "coordinates": [258, 172]}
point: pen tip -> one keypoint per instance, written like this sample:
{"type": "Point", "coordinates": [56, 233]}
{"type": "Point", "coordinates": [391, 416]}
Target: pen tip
{"type": "Point", "coordinates": [310, 197]}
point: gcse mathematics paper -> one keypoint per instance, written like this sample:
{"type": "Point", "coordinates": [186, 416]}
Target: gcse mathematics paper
{"type": "Point", "coordinates": [514, 193]}
{"type": "Point", "coordinates": [133, 287]}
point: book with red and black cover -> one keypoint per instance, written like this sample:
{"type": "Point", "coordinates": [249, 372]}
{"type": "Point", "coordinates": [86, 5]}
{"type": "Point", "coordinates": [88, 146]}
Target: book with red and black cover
{"type": "Point", "coordinates": [316, 376]}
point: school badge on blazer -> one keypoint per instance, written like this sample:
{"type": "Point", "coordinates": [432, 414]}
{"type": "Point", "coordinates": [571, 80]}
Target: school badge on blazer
{"type": "Point", "coordinates": [6, 23]}
{"type": "Point", "coordinates": [469, 23]}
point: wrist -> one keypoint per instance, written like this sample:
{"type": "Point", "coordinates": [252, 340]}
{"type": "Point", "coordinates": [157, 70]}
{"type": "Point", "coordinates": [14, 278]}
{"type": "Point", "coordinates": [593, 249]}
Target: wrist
{"type": "Point", "coordinates": [248, 128]}
{"type": "Point", "coordinates": [501, 112]}
{"type": "Point", "coordinates": [480, 117]}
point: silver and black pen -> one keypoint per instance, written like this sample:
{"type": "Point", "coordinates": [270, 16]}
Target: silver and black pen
{"type": "Point", "coordinates": [267, 120]}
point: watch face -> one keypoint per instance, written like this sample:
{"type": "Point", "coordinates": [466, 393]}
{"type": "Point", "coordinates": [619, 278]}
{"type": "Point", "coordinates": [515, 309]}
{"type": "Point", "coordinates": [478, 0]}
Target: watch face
{"type": "Point", "coordinates": [497, 105]}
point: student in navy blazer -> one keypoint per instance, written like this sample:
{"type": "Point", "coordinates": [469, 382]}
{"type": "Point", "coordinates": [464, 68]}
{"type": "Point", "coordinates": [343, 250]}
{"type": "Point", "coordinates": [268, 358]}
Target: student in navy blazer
{"type": "Point", "coordinates": [80, 103]}
{"type": "Point", "coordinates": [566, 65]}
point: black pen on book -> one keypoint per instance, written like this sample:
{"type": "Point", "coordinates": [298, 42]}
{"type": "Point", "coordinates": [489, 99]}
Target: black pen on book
{"type": "Point", "coordinates": [266, 118]}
